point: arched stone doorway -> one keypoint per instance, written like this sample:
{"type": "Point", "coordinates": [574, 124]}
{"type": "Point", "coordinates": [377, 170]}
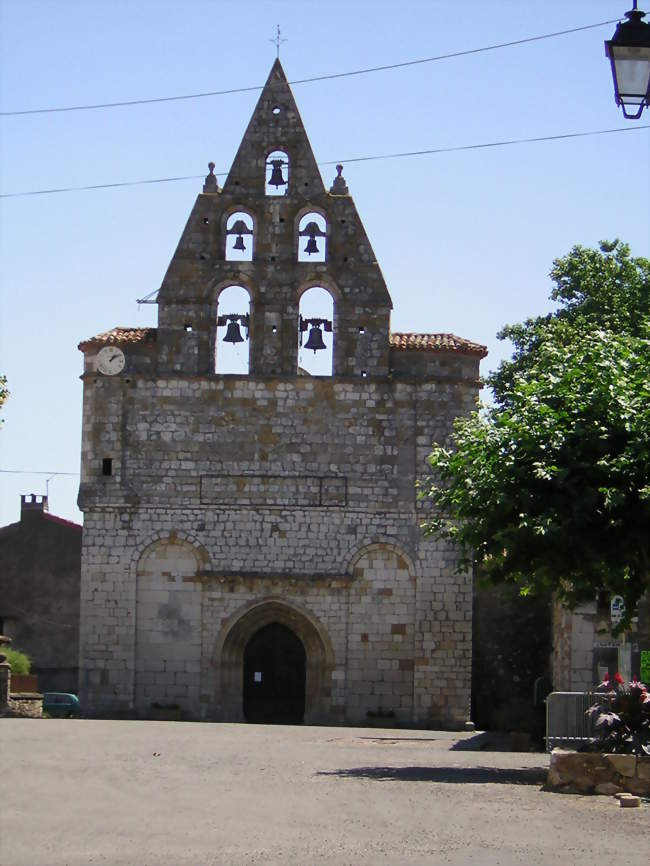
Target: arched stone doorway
{"type": "Point", "coordinates": [274, 677]}
{"type": "Point", "coordinates": [242, 627]}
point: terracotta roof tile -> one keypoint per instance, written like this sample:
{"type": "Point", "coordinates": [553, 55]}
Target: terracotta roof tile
{"type": "Point", "coordinates": [120, 336]}
{"type": "Point", "coordinates": [436, 343]}
{"type": "Point", "coordinates": [401, 342]}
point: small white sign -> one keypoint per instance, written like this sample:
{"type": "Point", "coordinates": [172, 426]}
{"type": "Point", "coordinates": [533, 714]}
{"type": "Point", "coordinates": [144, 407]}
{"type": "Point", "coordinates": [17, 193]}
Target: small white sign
{"type": "Point", "coordinates": [617, 609]}
{"type": "Point", "coordinates": [257, 676]}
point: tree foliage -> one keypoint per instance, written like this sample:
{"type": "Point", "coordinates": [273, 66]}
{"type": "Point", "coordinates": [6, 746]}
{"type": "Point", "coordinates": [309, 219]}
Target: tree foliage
{"type": "Point", "coordinates": [19, 662]}
{"type": "Point", "coordinates": [549, 488]}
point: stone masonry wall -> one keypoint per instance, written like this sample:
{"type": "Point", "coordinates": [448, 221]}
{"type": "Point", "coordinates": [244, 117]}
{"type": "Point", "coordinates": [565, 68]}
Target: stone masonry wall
{"type": "Point", "coordinates": [276, 488]}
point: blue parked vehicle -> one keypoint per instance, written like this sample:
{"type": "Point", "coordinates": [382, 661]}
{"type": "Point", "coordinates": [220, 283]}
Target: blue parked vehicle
{"type": "Point", "coordinates": [61, 705]}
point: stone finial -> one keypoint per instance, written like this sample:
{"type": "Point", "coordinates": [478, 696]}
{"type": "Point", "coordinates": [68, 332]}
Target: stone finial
{"type": "Point", "coordinates": [210, 184]}
{"type": "Point", "coordinates": [339, 187]}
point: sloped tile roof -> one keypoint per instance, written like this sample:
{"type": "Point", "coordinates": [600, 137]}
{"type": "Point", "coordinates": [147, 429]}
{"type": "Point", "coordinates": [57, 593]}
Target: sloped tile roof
{"type": "Point", "coordinates": [436, 343]}
{"type": "Point", "coordinates": [120, 336]}
{"type": "Point", "coordinates": [401, 342]}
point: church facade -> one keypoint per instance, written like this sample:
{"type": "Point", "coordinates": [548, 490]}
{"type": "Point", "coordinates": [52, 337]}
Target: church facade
{"type": "Point", "coordinates": [251, 544]}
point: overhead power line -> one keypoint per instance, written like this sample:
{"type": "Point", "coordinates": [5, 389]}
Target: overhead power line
{"type": "Point", "coordinates": [328, 77]}
{"type": "Point", "coordinates": [34, 472]}
{"type": "Point", "coordinates": [461, 147]}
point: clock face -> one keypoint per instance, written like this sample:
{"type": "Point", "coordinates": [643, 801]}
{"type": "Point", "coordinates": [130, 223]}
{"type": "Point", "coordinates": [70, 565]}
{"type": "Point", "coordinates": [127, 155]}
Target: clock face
{"type": "Point", "coordinates": [110, 360]}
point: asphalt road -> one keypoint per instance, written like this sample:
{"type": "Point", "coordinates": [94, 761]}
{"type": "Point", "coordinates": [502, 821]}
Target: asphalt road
{"type": "Point", "coordinates": [179, 794]}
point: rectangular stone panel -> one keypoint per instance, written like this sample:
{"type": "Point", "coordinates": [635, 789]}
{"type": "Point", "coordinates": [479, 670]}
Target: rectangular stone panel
{"type": "Point", "coordinates": [301, 491]}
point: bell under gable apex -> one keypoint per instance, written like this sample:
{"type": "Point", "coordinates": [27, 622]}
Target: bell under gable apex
{"type": "Point", "coordinates": [275, 126]}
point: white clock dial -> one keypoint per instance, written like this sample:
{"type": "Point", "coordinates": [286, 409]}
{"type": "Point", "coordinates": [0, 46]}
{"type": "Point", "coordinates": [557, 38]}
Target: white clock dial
{"type": "Point", "coordinates": [110, 360]}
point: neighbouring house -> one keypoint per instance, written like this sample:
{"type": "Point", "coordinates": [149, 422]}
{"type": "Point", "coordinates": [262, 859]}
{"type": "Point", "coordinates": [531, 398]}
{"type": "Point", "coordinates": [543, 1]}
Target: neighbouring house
{"type": "Point", "coordinates": [40, 568]}
{"type": "Point", "coordinates": [585, 647]}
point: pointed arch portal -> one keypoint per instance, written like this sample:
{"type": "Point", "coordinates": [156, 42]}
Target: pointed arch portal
{"type": "Point", "coordinates": [289, 650]}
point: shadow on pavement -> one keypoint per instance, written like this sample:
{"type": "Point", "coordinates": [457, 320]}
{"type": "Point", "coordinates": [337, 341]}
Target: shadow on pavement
{"type": "Point", "coordinates": [484, 741]}
{"type": "Point", "coordinates": [451, 775]}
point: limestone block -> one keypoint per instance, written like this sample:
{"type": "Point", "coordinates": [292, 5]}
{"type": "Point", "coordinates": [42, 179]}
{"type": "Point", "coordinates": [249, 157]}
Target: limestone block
{"type": "Point", "coordinates": [607, 788]}
{"type": "Point", "coordinates": [643, 769]}
{"type": "Point", "coordinates": [629, 802]}
{"type": "Point", "coordinates": [623, 764]}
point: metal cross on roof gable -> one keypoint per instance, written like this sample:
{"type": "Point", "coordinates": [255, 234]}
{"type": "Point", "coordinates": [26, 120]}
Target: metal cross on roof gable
{"type": "Point", "coordinates": [277, 40]}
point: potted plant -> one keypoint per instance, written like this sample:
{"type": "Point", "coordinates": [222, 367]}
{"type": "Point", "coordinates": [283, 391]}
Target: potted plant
{"type": "Point", "coordinates": [622, 717]}
{"type": "Point", "coordinates": [618, 758]}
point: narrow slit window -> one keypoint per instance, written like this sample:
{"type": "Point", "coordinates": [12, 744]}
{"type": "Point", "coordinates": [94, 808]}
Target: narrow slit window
{"type": "Point", "coordinates": [107, 466]}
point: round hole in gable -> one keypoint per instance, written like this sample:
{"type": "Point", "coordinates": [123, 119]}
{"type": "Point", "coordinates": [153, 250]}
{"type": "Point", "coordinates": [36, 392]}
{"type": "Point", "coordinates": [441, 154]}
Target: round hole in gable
{"type": "Point", "coordinates": [276, 109]}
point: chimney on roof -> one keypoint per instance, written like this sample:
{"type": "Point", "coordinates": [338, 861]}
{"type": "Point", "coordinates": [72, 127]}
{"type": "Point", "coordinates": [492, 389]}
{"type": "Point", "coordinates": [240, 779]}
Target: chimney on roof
{"type": "Point", "coordinates": [32, 503]}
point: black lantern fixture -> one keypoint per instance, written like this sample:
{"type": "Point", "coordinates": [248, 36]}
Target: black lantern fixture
{"type": "Point", "coordinates": [233, 331]}
{"type": "Point", "coordinates": [315, 340]}
{"type": "Point", "coordinates": [629, 53]}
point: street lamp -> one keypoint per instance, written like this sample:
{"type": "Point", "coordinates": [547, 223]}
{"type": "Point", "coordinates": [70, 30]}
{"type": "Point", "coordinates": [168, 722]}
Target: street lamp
{"type": "Point", "coordinates": [629, 54]}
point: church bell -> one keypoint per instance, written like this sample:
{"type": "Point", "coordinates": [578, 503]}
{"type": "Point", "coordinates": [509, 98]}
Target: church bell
{"type": "Point", "coordinates": [233, 334]}
{"type": "Point", "coordinates": [312, 246]}
{"type": "Point", "coordinates": [315, 339]}
{"type": "Point", "coordinates": [276, 178]}
{"type": "Point", "coordinates": [239, 243]}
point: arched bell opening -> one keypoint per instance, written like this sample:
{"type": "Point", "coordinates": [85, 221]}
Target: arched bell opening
{"type": "Point", "coordinates": [239, 237]}
{"type": "Point", "coordinates": [277, 173]}
{"type": "Point", "coordinates": [316, 332]}
{"type": "Point", "coordinates": [312, 238]}
{"type": "Point", "coordinates": [232, 345]}
{"type": "Point", "coordinates": [274, 677]}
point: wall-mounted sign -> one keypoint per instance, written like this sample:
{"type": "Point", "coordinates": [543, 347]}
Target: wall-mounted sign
{"type": "Point", "coordinates": [616, 609]}
{"type": "Point", "coordinates": [645, 666]}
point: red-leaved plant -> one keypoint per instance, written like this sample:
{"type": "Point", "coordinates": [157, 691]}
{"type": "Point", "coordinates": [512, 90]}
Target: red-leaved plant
{"type": "Point", "coordinates": [622, 717]}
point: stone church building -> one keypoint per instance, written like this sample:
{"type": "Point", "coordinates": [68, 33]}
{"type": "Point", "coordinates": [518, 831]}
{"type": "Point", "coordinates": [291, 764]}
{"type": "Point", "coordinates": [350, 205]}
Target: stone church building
{"type": "Point", "coordinates": [251, 544]}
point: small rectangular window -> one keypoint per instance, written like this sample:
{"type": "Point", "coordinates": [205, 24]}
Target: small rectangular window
{"type": "Point", "coordinates": [107, 466]}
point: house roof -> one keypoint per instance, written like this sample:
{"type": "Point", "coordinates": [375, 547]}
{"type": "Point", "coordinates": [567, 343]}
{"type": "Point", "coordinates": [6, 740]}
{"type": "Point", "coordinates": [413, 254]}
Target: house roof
{"type": "Point", "coordinates": [403, 342]}
{"type": "Point", "coordinates": [12, 528]}
{"type": "Point", "coordinates": [436, 343]}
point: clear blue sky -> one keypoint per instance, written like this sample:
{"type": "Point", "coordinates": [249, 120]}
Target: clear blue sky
{"type": "Point", "coordinates": [465, 239]}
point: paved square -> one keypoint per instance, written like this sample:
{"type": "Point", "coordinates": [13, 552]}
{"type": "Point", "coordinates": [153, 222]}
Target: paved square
{"type": "Point", "coordinates": [180, 794]}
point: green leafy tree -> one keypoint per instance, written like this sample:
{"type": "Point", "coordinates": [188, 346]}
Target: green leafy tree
{"type": "Point", "coordinates": [549, 488]}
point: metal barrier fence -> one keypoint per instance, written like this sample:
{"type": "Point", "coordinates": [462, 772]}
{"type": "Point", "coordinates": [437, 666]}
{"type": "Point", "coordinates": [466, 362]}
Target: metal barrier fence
{"type": "Point", "coordinates": [567, 722]}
